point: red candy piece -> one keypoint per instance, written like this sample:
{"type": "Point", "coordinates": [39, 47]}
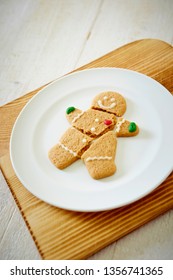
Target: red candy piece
{"type": "Point", "coordinates": [107, 122]}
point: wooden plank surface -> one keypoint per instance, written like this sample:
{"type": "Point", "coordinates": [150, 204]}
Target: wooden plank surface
{"type": "Point", "coordinates": [152, 57]}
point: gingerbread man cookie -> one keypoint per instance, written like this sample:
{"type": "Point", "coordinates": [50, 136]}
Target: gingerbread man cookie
{"type": "Point", "coordinates": [93, 135]}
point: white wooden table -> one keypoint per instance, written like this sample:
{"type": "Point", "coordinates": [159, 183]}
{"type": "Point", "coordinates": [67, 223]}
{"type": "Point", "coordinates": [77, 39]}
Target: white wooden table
{"type": "Point", "coordinates": [42, 40]}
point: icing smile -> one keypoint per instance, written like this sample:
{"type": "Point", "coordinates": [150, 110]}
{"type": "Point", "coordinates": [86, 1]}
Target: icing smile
{"type": "Point", "coordinates": [112, 105]}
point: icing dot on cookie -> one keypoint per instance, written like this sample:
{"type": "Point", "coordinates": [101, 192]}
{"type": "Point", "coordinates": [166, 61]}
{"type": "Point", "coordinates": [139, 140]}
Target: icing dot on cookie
{"type": "Point", "coordinates": [132, 127]}
{"type": "Point", "coordinates": [107, 122]}
{"type": "Point", "coordinates": [70, 109]}
{"type": "Point", "coordinates": [112, 99]}
{"type": "Point", "coordinates": [93, 129]}
{"type": "Point", "coordinates": [84, 140]}
{"type": "Point", "coordinates": [105, 97]}
{"type": "Point", "coordinates": [96, 120]}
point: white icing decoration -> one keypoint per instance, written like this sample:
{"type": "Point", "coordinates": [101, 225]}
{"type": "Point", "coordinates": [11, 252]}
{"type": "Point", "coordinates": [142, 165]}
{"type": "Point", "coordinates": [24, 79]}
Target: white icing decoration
{"type": "Point", "coordinates": [112, 99]}
{"type": "Point", "coordinates": [84, 140]}
{"type": "Point", "coordinates": [96, 120]}
{"type": "Point", "coordinates": [77, 117]}
{"type": "Point", "coordinates": [93, 129]}
{"type": "Point", "coordinates": [118, 125]}
{"type": "Point", "coordinates": [105, 97]}
{"type": "Point", "coordinates": [67, 149]}
{"type": "Point", "coordinates": [98, 158]}
{"type": "Point", "coordinates": [105, 107]}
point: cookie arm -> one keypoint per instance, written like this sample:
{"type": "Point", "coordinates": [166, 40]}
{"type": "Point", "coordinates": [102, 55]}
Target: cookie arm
{"type": "Point", "coordinates": [72, 114]}
{"type": "Point", "coordinates": [125, 128]}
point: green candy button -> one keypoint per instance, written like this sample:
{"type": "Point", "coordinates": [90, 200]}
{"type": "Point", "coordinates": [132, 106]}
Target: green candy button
{"type": "Point", "coordinates": [132, 127]}
{"type": "Point", "coordinates": [69, 110]}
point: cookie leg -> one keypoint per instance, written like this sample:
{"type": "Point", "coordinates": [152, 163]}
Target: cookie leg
{"type": "Point", "coordinates": [61, 156]}
{"type": "Point", "coordinates": [99, 168]}
{"type": "Point", "coordinates": [69, 149]}
{"type": "Point", "coordinates": [99, 158]}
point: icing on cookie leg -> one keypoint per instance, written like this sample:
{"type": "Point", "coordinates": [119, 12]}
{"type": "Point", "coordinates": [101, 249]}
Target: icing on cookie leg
{"type": "Point", "coordinates": [98, 158]}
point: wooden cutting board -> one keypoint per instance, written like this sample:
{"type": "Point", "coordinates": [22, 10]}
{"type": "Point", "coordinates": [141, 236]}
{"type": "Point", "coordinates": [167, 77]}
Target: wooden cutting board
{"type": "Point", "coordinates": [61, 234]}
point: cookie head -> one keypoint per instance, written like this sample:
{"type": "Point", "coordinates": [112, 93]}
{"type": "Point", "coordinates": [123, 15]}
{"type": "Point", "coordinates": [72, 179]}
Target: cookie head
{"type": "Point", "coordinates": [111, 102]}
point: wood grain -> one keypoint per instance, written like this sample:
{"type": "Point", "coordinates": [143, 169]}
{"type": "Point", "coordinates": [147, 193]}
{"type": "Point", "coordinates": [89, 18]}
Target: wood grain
{"type": "Point", "coordinates": [79, 235]}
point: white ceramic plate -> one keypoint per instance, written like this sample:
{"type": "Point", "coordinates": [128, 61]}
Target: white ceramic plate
{"type": "Point", "coordinates": [143, 162]}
